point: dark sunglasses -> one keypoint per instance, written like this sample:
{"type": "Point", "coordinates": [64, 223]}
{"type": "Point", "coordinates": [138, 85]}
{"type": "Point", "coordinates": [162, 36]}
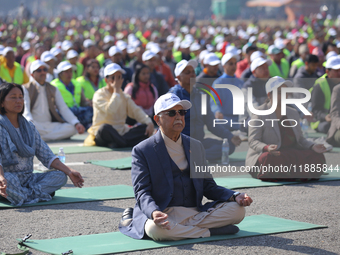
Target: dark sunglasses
{"type": "Point", "coordinates": [40, 70]}
{"type": "Point", "coordinates": [172, 113]}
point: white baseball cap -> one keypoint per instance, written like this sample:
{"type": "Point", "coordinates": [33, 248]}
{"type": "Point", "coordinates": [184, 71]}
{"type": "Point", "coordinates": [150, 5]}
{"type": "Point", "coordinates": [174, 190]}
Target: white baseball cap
{"type": "Point", "coordinates": [25, 45]}
{"type": "Point", "coordinates": [113, 68]}
{"type": "Point", "coordinates": [170, 39]}
{"type": "Point", "coordinates": [229, 56]}
{"type": "Point", "coordinates": [46, 56]}
{"type": "Point", "coordinates": [88, 43]}
{"type": "Point", "coordinates": [114, 50]}
{"type": "Point", "coordinates": [195, 46]}
{"type": "Point", "coordinates": [259, 62]}
{"type": "Point", "coordinates": [233, 49]}
{"type": "Point", "coordinates": [6, 50]}
{"type": "Point", "coordinates": [71, 54]}
{"type": "Point", "coordinates": [121, 45]}
{"type": "Point", "coordinates": [181, 65]}
{"type": "Point", "coordinates": [185, 44]}
{"type": "Point", "coordinates": [147, 55]}
{"type": "Point", "coordinates": [63, 66]}
{"type": "Point", "coordinates": [211, 59]}
{"type": "Point", "coordinates": [130, 49]}
{"type": "Point", "coordinates": [70, 32]}
{"type": "Point", "coordinates": [256, 54]}
{"type": "Point", "coordinates": [1, 49]}
{"type": "Point", "coordinates": [279, 43]}
{"type": "Point", "coordinates": [202, 54]}
{"type": "Point", "coordinates": [273, 50]}
{"type": "Point", "coordinates": [252, 39]}
{"type": "Point", "coordinates": [276, 82]}
{"type": "Point", "coordinates": [155, 48]}
{"type": "Point", "coordinates": [66, 45]}
{"type": "Point", "coordinates": [333, 63]}
{"type": "Point", "coordinates": [36, 64]}
{"type": "Point", "coordinates": [108, 38]}
{"type": "Point", "coordinates": [55, 51]}
{"type": "Point", "coordinates": [338, 45]}
{"type": "Point", "coordinates": [331, 54]}
{"type": "Point", "coordinates": [169, 100]}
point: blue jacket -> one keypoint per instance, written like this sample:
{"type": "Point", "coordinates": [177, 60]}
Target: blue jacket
{"type": "Point", "coordinates": [194, 120]}
{"type": "Point", "coordinates": [152, 180]}
{"type": "Point", "coordinates": [227, 99]}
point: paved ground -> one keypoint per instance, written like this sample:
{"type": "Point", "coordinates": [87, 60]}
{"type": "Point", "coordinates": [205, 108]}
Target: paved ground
{"type": "Point", "coordinates": [316, 203]}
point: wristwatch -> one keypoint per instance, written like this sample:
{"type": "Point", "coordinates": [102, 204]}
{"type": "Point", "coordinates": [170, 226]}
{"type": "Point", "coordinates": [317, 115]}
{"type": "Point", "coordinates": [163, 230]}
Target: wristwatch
{"type": "Point", "coordinates": [235, 195]}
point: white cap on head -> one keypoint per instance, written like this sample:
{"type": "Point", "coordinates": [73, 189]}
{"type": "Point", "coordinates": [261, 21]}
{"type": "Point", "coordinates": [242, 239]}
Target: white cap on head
{"type": "Point", "coordinates": [244, 48]}
{"type": "Point", "coordinates": [273, 50]}
{"type": "Point", "coordinates": [71, 54]}
{"type": "Point", "coordinates": [6, 50]}
{"type": "Point", "coordinates": [331, 54]}
{"type": "Point", "coordinates": [149, 45]}
{"type": "Point", "coordinates": [114, 50]}
{"type": "Point", "coordinates": [209, 47]}
{"type": "Point", "coordinates": [66, 45]}
{"type": "Point", "coordinates": [169, 100]}
{"type": "Point", "coordinates": [276, 82]}
{"type": "Point", "coordinates": [25, 45]}
{"type": "Point", "coordinates": [195, 46]}
{"type": "Point", "coordinates": [252, 39]}
{"type": "Point", "coordinates": [170, 39]}
{"type": "Point", "coordinates": [211, 59]}
{"type": "Point", "coordinates": [333, 63]}
{"type": "Point", "coordinates": [147, 55]}
{"type": "Point", "coordinates": [88, 43]}
{"type": "Point", "coordinates": [36, 64]}
{"type": "Point", "coordinates": [256, 54]}
{"type": "Point", "coordinates": [202, 54]}
{"type": "Point", "coordinates": [108, 38]}
{"type": "Point", "coordinates": [338, 45]}
{"type": "Point", "coordinates": [46, 56]}
{"type": "Point", "coordinates": [63, 66]}
{"type": "Point", "coordinates": [332, 32]}
{"type": "Point", "coordinates": [130, 49]}
{"type": "Point", "coordinates": [155, 48]}
{"type": "Point", "coordinates": [259, 62]}
{"type": "Point", "coordinates": [58, 45]}
{"type": "Point", "coordinates": [189, 38]}
{"type": "Point", "coordinates": [55, 51]}
{"type": "Point", "coordinates": [112, 69]}
{"type": "Point", "coordinates": [185, 44]}
{"type": "Point", "coordinates": [279, 43]}
{"type": "Point", "coordinates": [232, 49]}
{"type": "Point", "coordinates": [181, 65]}
{"type": "Point", "coordinates": [229, 56]}
{"type": "Point", "coordinates": [70, 32]}
{"type": "Point", "coordinates": [1, 49]}
{"type": "Point", "coordinates": [122, 45]}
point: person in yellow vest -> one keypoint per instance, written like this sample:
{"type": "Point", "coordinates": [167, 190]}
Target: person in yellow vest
{"type": "Point", "coordinates": [279, 66]}
{"type": "Point", "coordinates": [45, 107]}
{"type": "Point", "coordinates": [321, 95]}
{"type": "Point", "coordinates": [72, 94]}
{"type": "Point", "coordinates": [303, 54]}
{"type": "Point", "coordinates": [184, 52]}
{"type": "Point", "coordinates": [78, 68]}
{"type": "Point", "coordinates": [91, 81]}
{"type": "Point", "coordinates": [10, 70]}
{"type": "Point", "coordinates": [50, 60]}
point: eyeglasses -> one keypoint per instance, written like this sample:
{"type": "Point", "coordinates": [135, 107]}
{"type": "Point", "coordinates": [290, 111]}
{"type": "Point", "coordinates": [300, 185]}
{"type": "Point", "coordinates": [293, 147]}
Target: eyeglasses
{"type": "Point", "coordinates": [172, 113]}
{"type": "Point", "coordinates": [41, 70]}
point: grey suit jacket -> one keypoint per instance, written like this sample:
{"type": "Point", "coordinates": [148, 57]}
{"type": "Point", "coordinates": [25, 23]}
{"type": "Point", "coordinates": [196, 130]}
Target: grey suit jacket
{"type": "Point", "coordinates": [269, 133]}
{"type": "Point", "coordinates": [334, 112]}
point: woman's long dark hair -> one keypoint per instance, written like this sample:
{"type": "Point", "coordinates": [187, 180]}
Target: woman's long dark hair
{"type": "Point", "coordinates": [5, 88]}
{"type": "Point", "coordinates": [135, 81]}
{"type": "Point", "coordinates": [88, 64]}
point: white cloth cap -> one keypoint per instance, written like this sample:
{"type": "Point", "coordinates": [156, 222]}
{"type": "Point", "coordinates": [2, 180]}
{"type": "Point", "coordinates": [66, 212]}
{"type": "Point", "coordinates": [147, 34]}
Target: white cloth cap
{"type": "Point", "coordinates": [46, 56]}
{"type": "Point", "coordinates": [170, 39]}
{"type": "Point", "coordinates": [272, 49]}
{"type": "Point", "coordinates": [71, 54]}
{"type": "Point", "coordinates": [147, 55]}
{"type": "Point", "coordinates": [55, 51]}
{"type": "Point", "coordinates": [122, 45]}
{"type": "Point", "coordinates": [333, 63]}
{"type": "Point", "coordinates": [169, 100]}
{"type": "Point", "coordinates": [331, 54]}
{"type": "Point", "coordinates": [232, 49]}
{"type": "Point", "coordinates": [66, 45]}
{"type": "Point", "coordinates": [229, 56]}
{"type": "Point", "coordinates": [195, 46]}
{"type": "Point", "coordinates": [256, 54]}
{"type": "Point", "coordinates": [259, 62]}
{"type": "Point", "coordinates": [36, 64]}
{"type": "Point", "coordinates": [1, 49]}
{"type": "Point", "coordinates": [252, 39]}
{"type": "Point", "coordinates": [155, 48]}
{"type": "Point", "coordinates": [185, 44]}
{"type": "Point", "coordinates": [88, 43]}
{"type": "Point", "coordinates": [25, 45]}
{"type": "Point", "coordinates": [114, 50]}
{"type": "Point", "coordinates": [70, 32]}
{"type": "Point", "coordinates": [202, 54]}
{"type": "Point", "coordinates": [211, 59]}
{"type": "Point", "coordinates": [63, 66]}
{"type": "Point", "coordinates": [276, 82]}
{"type": "Point", "coordinates": [181, 65]}
{"type": "Point", "coordinates": [108, 38]}
{"type": "Point", "coordinates": [279, 43]}
{"type": "Point", "coordinates": [113, 68]}
{"type": "Point", "coordinates": [6, 50]}
{"type": "Point", "coordinates": [130, 49]}
{"type": "Point", "coordinates": [189, 38]}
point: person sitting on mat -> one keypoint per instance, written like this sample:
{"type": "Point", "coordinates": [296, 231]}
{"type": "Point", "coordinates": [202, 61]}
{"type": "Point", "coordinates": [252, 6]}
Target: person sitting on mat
{"type": "Point", "coordinates": [19, 143]}
{"type": "Point", "coordinates": [168, 197]}
{"type": "Point", "coordinates": [280, 143]}
{"type": "Point", "coordinates": [111, 107]}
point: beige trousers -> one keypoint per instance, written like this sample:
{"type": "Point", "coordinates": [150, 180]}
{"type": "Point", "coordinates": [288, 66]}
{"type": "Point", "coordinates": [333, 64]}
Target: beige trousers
{"type": "Point", "coordinates": [188, 222]}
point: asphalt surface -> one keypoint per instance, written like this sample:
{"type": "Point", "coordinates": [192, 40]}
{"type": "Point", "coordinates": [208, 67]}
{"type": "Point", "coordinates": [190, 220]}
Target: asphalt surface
{"type": "Point", "coordinates": [316, 203]}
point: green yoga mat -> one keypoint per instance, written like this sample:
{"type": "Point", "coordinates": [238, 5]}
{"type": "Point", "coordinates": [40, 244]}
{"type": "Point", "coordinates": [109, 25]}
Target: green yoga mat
{"type": "Point", "coordinates": [246, 181]}
{"type": "Point", "coordinates": [316, 135]}
{"type": "Point", "coordinates": [123, 163]}
{"type": "Point", "coordinates": [76, 195]}
{"type": "Point", "coordinates": [110, 243]}
{"type": "Point", "coordinates": [85, 149]}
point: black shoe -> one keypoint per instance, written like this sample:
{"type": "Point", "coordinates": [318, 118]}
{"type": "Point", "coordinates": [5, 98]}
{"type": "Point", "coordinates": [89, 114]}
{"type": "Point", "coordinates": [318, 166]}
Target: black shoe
{"type": "Point", "coordinates": [126, 217]}
{"type": "Point", "coordinates": [226, 230]}
{"type": "Point", "coordinates": [52, 194]}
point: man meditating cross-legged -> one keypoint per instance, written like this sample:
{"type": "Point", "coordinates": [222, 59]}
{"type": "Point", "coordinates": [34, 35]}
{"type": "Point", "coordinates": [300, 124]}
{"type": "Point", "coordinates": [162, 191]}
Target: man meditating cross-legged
{"type": "Point", "coordinates": [168, 200]}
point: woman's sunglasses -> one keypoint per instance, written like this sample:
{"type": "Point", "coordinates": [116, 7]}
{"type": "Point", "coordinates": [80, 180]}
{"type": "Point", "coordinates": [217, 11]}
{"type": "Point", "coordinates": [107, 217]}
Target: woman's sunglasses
{"type": "Point", "coordinates": [172, 113]}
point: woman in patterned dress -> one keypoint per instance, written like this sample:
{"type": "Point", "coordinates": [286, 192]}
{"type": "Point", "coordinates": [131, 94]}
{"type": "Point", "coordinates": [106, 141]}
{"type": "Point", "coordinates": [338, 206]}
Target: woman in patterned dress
{"type": "Point", "coordinates": [19, 143]}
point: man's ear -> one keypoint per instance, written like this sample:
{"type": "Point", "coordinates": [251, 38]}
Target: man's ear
{"type": "Point", "coordinates": [156, 119]}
